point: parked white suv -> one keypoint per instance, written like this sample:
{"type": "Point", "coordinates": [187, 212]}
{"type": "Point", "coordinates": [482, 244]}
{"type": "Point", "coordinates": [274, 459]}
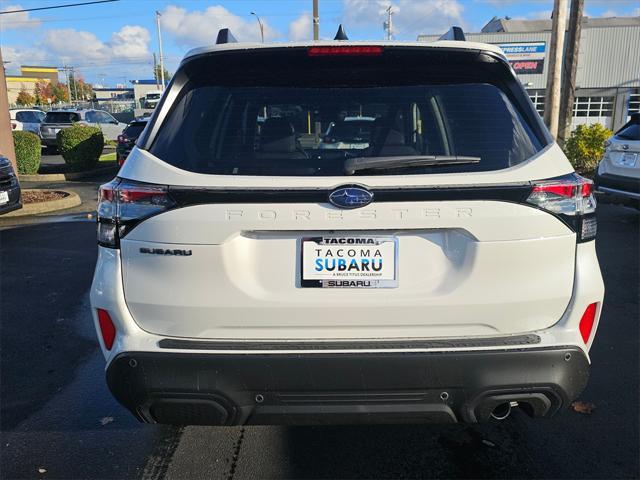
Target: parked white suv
{"type": "Point", "coordinates": [447, 272]}
{"type": "Point", "coordinates": [27, 119]}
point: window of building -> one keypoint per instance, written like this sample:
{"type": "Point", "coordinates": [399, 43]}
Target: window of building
{"type": "Point", "coordinates": [537, 97]}
{"type": "Point", "coordinates": [634, 103]}
{"type": "Point", "coordinates": [593, 107]}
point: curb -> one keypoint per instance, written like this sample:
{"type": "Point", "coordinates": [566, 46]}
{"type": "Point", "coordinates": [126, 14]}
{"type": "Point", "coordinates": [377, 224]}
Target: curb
{"type": "Point", "coordinates": [71, 200]}
{"type": "Point", "coordinates": [62, 177]}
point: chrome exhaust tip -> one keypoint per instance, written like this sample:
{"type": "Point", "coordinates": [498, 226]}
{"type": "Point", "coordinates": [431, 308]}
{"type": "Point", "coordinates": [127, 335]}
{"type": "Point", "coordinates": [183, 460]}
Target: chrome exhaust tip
{"type": "Point", "coordinates": [502, 411]}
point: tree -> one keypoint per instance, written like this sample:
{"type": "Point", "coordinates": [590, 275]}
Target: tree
{"type": "Point", "coordinates": [156, 74]}
{"type": "Point", "coordinates": [43, 93]}
{"type": "Point", "coordinates": [25, 98]}
{"type": "Point", "coordinates": [80, 90]}
{"type": "Point", "coordinates": [60, 92]}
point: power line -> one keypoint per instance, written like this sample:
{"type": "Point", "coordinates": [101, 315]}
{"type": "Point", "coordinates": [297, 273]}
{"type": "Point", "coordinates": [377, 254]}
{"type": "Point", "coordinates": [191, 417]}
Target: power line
{"type": "Point", "coordinates": [58, 6]}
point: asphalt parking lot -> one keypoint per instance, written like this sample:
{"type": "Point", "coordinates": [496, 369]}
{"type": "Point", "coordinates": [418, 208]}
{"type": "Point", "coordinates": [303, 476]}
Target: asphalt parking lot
{"type": "Point", "coordinates": [58, 420]}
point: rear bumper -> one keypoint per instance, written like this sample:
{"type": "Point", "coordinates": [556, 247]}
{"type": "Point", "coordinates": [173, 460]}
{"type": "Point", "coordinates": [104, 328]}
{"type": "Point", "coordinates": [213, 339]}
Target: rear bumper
{"type": "Point", "coordinates": [359, 387]}
{"type": "Point", "coordinates": [49, 141]}
{"type": "Point", "coordinates": [618, 186]}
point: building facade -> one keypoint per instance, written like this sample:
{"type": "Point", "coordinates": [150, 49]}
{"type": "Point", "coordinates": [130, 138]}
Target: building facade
{"type": "Point", "coordinates": [608, 77]}
{"type": "Point", "coordinates": [29, 76]}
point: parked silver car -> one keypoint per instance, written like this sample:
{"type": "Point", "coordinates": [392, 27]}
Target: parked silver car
{"type": "Point", "coordinates": [618, 175]}
{"type": "Point", "coordinates": [56, 120]}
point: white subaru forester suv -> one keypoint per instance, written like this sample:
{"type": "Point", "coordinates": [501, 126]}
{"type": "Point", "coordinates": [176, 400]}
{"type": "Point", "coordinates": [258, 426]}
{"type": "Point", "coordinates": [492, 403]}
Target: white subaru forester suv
{"type": "Point", "coordinates": [445, 273]}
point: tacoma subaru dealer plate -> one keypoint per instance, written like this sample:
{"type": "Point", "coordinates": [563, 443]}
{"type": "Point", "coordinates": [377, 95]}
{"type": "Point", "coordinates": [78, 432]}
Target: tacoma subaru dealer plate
{"type": "Point", "coordinates": [349, 262]}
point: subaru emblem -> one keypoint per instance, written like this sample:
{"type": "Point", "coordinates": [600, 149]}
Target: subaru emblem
{"type": "Point", "coordinates": [350, 197]}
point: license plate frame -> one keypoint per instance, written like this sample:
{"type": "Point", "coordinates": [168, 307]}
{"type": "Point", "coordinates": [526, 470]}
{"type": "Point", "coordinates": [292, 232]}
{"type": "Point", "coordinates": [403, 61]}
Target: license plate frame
{"type": "Point", "coordinates": [628, 159]}
{"type": "Point", "coordinates": [387, 278]}
{"type": "Point", "coordinates": [4, 197]}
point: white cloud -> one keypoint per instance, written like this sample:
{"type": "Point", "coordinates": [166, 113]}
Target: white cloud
{"type": "Point", "coordinates": [410, 17]}
{"type": "Point", "coordinates": [130, 43]}
{"type": "Point", "coordinates": [21, 56]}
{"type": "Point", "coordinates": [200, 27]}
{"type": "Point", "coordinates": [301, 28]}
{"type": "Point", "coordinates": [540, 15]}
{"type": "Point", "coordinates": [16, 20]}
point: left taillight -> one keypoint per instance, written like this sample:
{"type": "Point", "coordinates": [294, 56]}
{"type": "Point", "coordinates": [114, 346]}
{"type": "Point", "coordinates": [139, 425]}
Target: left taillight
{"type": "Point", "coordinates": [122, 204]}
{"type": "Point", "coordinates": [571, 199]}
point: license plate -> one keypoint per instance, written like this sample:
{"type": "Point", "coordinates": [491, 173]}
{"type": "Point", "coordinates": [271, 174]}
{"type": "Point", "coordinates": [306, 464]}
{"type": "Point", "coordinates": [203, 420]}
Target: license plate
{"type": "Point", "coordinates": [4, 198]}
{"type": "Point", "coordinates": [628, 159]}
{"type": "Point", "coordinates": [349, 262]}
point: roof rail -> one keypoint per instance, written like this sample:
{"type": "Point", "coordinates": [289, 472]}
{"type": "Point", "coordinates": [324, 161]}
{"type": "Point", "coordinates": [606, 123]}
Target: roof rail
{"type": "Point", "coordinates": [225, 36]}
{"type": "Point", "coordinates": [454, 33]}
{"type": "Point", "coordinates": [341, 34]}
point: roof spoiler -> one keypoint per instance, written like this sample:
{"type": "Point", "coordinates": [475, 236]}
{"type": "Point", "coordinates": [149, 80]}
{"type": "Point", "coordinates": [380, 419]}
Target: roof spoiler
{"type": "Point", "coordinates": [225, 36]}
{"type": "Point", "coordinates": [454, 33]}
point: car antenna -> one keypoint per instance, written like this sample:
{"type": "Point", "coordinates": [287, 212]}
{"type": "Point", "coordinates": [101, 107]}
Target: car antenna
{"type": "Point", "coordinates": [454, 33]}
{"type": "Point", "coordinates": [340, 34]}
{"type": "Point", "coordinates": [225, 36]}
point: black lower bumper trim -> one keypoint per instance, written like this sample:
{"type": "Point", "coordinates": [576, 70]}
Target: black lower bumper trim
{"type": "Point", "coordinates": [617, 182]}
{"type": "Point", "coordinates": [321, 388]}
{"type": "Point", "coordinates": [506, 341]}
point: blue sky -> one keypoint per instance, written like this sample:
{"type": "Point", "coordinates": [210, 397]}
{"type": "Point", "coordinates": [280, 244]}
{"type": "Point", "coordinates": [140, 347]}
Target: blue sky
{"type": "Point", "coordinates": [114, 42]}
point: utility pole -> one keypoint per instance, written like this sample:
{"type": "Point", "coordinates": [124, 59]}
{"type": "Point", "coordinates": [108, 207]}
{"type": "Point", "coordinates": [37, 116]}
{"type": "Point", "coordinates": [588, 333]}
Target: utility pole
{"type": "Point", "coordinates": [261, 26]}
{"type": "Point", "coordinates": [552, 99]}
{"type": "Point", "coordinates": [388, 25]}
{"type": "Point", "coordinates": [160, 48]}
{"type": "Point", "coordinates": [570, 69]}
{"type": "Point", "coordinates": [155, 71]}
{"type": "Point", "coordinates": [6, 138]}
{"type": "Point", "coordinates": [75, 84]}
{"type": "Point", "coordinates": [65, 69]}
{"type": "Point", "coordinates": [316, 21]}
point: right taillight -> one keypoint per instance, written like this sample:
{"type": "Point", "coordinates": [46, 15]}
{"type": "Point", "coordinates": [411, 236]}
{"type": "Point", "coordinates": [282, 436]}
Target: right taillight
{"type": "Point", "coordinates": [122, 204]}
{"type": "Point", "coordinates": [571, 199]}
{"type": "Point", "coordinates": [587, 321]}
{"type": "Point", "coordinates": [107, 328]}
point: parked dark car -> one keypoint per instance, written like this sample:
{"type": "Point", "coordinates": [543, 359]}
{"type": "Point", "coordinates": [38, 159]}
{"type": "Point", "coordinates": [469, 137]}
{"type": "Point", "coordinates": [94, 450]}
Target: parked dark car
{"type": "Point", "coordinates": [9, 187]}
{"type": "Point", "coordinates": [128, 138]}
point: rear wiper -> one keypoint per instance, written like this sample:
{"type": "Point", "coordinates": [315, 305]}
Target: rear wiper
{"type": "Point", "coordinates": [352, 165]}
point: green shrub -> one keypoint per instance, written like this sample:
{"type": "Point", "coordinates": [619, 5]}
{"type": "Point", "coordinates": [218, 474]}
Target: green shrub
{"type": "Point", "coordinates": [80, 146]}
{"type": "Point", "coordinates": [585, 147]}
{"type": "Point", "coordinates": [28, 152]}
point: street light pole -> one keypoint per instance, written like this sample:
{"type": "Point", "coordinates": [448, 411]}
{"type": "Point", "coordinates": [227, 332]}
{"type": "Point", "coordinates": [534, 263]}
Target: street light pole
{"type": "Point", "coordinates": [316, 20]}
{"type": "Point", "coordinates": [554, 78]}
{"type": "Point", "coordinates": [261, 26]}
{"type": "Point", "coordinates": [160, 48]}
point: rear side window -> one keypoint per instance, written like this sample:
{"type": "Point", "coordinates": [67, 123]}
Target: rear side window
{"type": "Point", "coordinates": [134, 129]}
{"type": "Point", "coordinates": [62, 117]}
{"type": "Point", "coordinates": [28, 117]}
{"type": "Point", "coordinates": [317, 122]}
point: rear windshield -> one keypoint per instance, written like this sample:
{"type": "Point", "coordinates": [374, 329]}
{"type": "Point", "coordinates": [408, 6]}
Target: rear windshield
{"type": "Point", "coordinates": [312, 125]}
{"type": "Point", "coordinates": [134, 129]}
{"type": "Point", "coordinates": [630, 131]}
{"type": "Point", "coordinates": [62, 117]}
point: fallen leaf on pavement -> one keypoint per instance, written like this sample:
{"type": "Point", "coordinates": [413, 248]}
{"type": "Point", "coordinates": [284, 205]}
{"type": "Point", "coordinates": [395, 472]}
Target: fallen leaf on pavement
{"type": "Point", "coordinates": [105, 420]}
{"type": "Point", "coordinates": [583, 407]}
